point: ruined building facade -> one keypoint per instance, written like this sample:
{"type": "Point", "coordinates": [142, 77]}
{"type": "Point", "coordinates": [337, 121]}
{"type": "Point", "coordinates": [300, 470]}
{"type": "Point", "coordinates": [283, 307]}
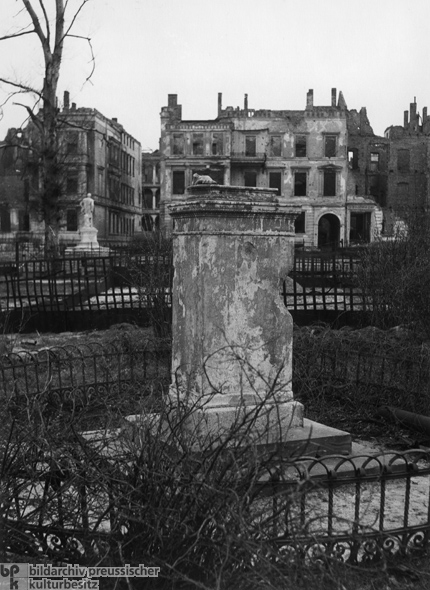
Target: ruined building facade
{"type": "Point", "coordinates": [97, 156]}
{"type": "Point", "coordinates": [409, 163]}
{"type": "Point", "coordinates": [303, 154]}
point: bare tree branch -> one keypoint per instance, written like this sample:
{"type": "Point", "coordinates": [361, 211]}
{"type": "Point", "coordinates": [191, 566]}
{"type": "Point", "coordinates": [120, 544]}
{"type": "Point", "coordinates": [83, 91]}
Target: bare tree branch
{"type": "Point", "coordinates": [22, 87]}
{"type": "Point", "coordinates": [48, 28]}
{"type": "Point", "coordinates": [92, 60]}
{"type": "Point", "coordinates": [15, 35]}
{"type": "Point", "coordinates": [75, 16]}
{"type": "Point", "coordinates": [31, 114]}
{"type": "Point", "coordinates": [36, 23]}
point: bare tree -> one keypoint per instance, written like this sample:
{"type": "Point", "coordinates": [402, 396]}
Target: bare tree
{"type": "Point", "coordinates": [51, 30]}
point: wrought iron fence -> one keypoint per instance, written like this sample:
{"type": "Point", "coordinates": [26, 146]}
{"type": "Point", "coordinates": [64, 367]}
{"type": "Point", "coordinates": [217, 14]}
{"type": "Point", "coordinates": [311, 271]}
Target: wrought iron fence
{"type": "Point", "coordinates": [131, 282]}
{"type": "Point", "coordinates": [69, 380]}
{"type": "Point", "coordinates": [382, 372]}
{"type": "Point", "coordinates": [324, 282]}
{"type": "Point", "coordinates": [78, 283]}
{"type": "Point", "coordinates": [357, 510]}
{"type": "Point", "coordinates": [75, 291]}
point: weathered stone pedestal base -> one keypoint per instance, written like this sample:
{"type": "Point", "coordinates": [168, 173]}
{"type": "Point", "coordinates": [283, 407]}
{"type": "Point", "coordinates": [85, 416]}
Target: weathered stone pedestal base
{"type": "Point", "coordinates": [88, 244]}
{"type": "Point", "coordinates": [280, 429]}
{"type": "Point", "coordinates": [268, 424]}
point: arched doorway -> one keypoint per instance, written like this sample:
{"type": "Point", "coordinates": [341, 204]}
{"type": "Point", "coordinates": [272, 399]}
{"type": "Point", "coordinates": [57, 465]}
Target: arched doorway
{"type": "Point", "coordinates": [328, 231]}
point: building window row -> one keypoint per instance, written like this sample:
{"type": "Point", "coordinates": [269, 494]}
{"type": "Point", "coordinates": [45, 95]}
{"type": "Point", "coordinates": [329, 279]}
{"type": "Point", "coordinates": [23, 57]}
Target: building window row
{"type": "Point", "coordinates": [127, 194]}
{"type": "Point", "coordinates": [198, 144]}
{"type": "Point", "coordinates": [127, 163]}
{"type": "Point", "coordinates": [120, 191]}
{"type": "Point", "coordinates": [128, 141]}
{"type": "Point", "coordinates": [329, 181]}
{"type": "Point", "coordinates": [300, 188]}
{"type": "Point", "coordinates": [373, 162]}
{"type": "Point", "coordinates": [120, 224]}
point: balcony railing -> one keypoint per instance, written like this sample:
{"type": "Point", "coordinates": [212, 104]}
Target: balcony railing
{"type": "Point", "coordinates": [243, 155]}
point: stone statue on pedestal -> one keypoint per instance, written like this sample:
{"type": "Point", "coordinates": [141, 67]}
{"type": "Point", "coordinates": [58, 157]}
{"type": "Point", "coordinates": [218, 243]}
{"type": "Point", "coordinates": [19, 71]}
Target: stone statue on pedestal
{"type": "Point", "coordinates": [87, 210]}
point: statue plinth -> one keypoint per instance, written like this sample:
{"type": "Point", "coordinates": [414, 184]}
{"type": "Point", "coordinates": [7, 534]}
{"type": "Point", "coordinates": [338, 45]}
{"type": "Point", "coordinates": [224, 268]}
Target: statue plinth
{"type": "Point", "coordinates": [88, 237]}
{"type": "Point", "coordinates": [232, 334]}
{"type": "Point", "coordinates": [88, 243]}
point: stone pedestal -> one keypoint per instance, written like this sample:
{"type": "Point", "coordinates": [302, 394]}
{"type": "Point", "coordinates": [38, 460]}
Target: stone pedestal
{"type": "Point", "coordinates": [232, 335]}
{"type": "Point", "coordinates": [88, 243]}
{"type": "Point", "coordinates": [88, 238]}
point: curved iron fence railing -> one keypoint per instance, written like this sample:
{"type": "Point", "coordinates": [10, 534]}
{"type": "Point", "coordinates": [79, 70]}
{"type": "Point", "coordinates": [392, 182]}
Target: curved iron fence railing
{"type": "Point", "coordinates": [356, 510]}
{"type": "Point", "coordinates": [68, 380]}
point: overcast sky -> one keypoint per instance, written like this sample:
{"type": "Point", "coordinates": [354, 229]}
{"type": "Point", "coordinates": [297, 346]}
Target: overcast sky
{"type": "Point", "coordinates": [375, 51]}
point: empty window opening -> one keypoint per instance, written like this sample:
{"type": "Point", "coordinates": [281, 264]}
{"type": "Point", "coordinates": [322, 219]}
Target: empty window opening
{"type": "Point", "coordinates": [178, 182]}
{"type": "Point", "coordinates": [275, 146]}
{"type": "Point", "coordinates": [250, 178]}
{"type": "Point", "coordinates": [275, 181]}
{"type": "Point", "coordinates": [198, 144]}
{"type": "Point", "coordinates": [353, 158]}
{"type": "Point", "coordinates": [300, 223]}
{"type": "Point", "coordinates": [217, 144]}
{"type": "Point", "coordinates": [330, 146]}
{"type": "Point", "coordinates": [360, 228]}
{"type": "Point", "coordinates": [329, 188]}
{"type": "Point", "coordinates": [374, 161]}
{"type": "Point", "coordinates": [178, 148]}
{"type": "Point", "coordinates": [301, 150]}
{"type": "Point", "coordinates": [250, 145]}
{"type": "Point", "coordinates": [300, 184]}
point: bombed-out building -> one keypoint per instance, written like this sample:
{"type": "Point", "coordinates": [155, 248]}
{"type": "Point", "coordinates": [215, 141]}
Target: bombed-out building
{"type": "Point", "coordinates": [368, 156]}
{"type": "Point", "coordinates": [303, 154]}
{"type": "Point", "coordinates": [97, 156]}
{"type": "Point", "coordinates": [408, 165]}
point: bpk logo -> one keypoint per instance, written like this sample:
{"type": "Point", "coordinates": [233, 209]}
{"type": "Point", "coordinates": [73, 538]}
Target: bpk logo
{"type": "Point", "coordinates": [13, 576]}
